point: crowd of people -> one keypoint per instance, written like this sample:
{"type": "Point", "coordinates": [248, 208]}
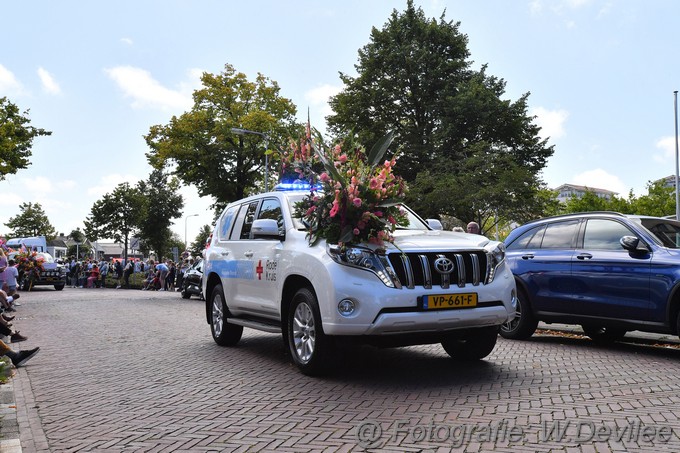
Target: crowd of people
{"type": "Point", "coordinates": [8, 303]}
{"type": "Point", "coordinates": [163, 275]}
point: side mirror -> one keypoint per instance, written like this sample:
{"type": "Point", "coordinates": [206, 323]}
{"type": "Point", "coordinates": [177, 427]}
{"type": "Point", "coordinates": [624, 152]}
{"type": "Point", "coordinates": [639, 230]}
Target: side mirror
{"type": "Point", "coordinates": [435, 224]}
{"type": "Point", "coordinates": [265, 229]}
{"type": "Point", "coordinates": [632, 244]}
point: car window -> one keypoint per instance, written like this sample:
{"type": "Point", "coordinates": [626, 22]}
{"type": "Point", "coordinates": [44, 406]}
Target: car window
{"type": "Point", "coordinates": [560, 235]}
{"type": "Point", "coordinates": [271, 209]}
{"type": "Point", "coordinates": [667, 232]}
{"type": "Point", "coordinates": [604, 234]}
{"type": "Point", "coordinates": [249, 217]}
{"type": "Point", "coordinates": [530, 239]}
{"type": "Point", "coordinates": [226, 221]}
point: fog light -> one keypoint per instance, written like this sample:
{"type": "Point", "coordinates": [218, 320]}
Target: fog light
{"type": "Point", "coordinates": [513, 299]}
{"type": "Point", "coordinates": [346, 307]}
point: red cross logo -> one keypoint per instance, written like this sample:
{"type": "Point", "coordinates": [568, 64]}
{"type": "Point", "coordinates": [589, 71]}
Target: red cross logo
{"type": "Point", "coordinates": [259, 269]}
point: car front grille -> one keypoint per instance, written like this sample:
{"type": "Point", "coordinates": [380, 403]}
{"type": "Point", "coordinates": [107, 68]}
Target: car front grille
{"type": "Point", "coordinates": [419, 269]}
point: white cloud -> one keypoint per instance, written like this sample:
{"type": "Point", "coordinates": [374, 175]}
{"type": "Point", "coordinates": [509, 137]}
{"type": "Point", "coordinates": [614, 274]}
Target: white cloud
{"type": "Point", "coordinates": [600, 179]}
{"type": "Point", "coordinates": [667, 147]}
{"type": "Point", "coordinates": [127, 41]}
{"type": "Point", "coordinates": [147, 92]}
{"type": "Point", "coordinates": [8, 83]}
{"type": "Point", "coordinates": [50, 86]}
{"type": "Point", "coordinates": [39, 186]}
{"type": "Point", "coordinates": [10, 200]}
{"type": "Point", "coordinates": [551, 122]}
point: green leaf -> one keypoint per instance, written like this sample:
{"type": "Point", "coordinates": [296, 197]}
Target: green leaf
{"type": "Point", "coordinates": [379, 149]}
{"type": "Point", "coordinates": [347, 234]}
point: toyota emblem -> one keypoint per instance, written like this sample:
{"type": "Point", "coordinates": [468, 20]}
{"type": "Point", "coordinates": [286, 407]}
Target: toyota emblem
{"type": "Point", "coordinates": [443, 265]}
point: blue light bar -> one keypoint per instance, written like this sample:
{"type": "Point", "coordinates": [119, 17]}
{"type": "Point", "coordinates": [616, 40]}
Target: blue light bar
{"type": "Point", "coordinates": [298, 184]}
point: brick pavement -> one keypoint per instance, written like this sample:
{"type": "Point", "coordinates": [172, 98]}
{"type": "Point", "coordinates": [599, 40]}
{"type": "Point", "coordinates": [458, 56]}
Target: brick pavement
{"type": "Point", "coordinates": [137, 371]}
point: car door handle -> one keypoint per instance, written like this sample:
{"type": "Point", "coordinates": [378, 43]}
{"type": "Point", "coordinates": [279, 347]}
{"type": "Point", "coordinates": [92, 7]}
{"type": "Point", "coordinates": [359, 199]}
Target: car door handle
{"type": "Point", "coordinates": [224, 253]}
{"type": "Point", "coordinates": [248, 254]}
{"type": "Point", "coordinates": [584, 256]}
{"type": "Point", "coordinates": [528, 256]}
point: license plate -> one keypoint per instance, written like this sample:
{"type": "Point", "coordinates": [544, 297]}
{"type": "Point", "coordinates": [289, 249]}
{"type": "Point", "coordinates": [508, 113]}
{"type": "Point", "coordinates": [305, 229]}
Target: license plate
{"type": "Point", "coordinates": [440, 301]}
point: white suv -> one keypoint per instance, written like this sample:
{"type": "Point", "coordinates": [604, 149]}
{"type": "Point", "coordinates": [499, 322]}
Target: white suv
{"type": "Point", "coordinates": [430, 286]}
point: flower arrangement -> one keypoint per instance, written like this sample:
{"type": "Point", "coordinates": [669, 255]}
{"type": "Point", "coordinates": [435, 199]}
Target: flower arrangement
{"type": "Point", "coordinates": [355, 195]}
{"type": "Point", "coordinates": [29, 265]}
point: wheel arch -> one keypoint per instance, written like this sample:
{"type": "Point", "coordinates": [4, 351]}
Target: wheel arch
{"type": "Point", "coordinates": [212, 281]}
{"type": "Point", "coordinates": [290, 287]}
{"type": "Point", "coordinates": [673, 309]}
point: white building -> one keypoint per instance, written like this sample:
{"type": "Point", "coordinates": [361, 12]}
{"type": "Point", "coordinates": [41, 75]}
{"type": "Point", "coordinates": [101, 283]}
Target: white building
{"type": "Point", "coordinates": [566, 191]}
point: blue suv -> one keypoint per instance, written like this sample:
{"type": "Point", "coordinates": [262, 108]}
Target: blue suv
{"type": "Point", "coordinates": [610, 273]}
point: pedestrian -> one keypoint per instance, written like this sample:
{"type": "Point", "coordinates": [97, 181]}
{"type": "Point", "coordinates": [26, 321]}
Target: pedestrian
{"type": "Point", "coordinates": [118, 267]}
{"type": "Point", "coordinates": [126, 273]}
{"type": "Point", "coordinates": [18, 358]}
{"type": "Point", "coordinates": [473, 228]}
{"type": "Point", "coordinates": [163, 270]}
{"type": "Point", "coordinates": [103, 271]}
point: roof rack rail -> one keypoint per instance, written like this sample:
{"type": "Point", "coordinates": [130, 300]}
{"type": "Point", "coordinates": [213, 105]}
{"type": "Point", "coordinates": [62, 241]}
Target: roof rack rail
{"type": "Point", "coordinates": [571, 214]}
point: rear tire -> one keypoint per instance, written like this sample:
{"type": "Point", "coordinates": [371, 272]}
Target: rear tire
{"type": "Point", "coordinates": [524, 325]}
{"type": "Point", "coordinates": [223, 333]}
{"type": "Point", "coordinates": [602, 334]}
{"type": "Point", "coordinates": [475, 346]}
{"type": "Point", "coordinates": [309, 347]}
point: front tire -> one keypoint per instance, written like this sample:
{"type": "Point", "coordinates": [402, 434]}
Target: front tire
{"type": "Point", "coordinates": [308, 345]}
{"type": "Point", "coordinates": [475, 346]}
{"type": "Point", "coordinates": [602, 334]}
{"type": "Point", "coordinates": [223, 333]}
{"type": "Point", "coordinates": [524, 325]}
{"type": "Point", "coordinates": [59, 287]}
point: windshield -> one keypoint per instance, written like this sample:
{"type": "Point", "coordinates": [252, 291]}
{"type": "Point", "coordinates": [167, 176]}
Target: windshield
{"type": "Point", "coordinates": [666, 231]}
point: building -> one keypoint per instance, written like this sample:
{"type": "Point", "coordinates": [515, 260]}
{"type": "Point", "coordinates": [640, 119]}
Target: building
{"type": "Point", "coordinates": [566, 191]}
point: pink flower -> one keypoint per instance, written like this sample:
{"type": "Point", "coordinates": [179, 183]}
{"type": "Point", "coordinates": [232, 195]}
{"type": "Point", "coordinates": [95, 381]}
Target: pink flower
{"type": "Point", "coordinates": [374, 184]}
{"type": "Point", "coordinates": [357, 202]}
{"type": "Point", "coordinates": [356, 231]}
{"type": "Point", "coordinates": [343, 158]}
{"type": "Point", "coordinates": [378, 213]}
{"type": "Point", "coordinates": [392, 220]}
{"type": "Point", "coordinates": [324, 177]}
{"type": "Point", "coordinates": [361, 225]}
{"type": "Point", "coordinates": [334, 210]}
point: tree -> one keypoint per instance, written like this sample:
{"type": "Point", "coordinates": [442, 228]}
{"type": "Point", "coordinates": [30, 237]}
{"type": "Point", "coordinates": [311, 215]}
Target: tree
{"type": "Point", "coordinates": [659, 201]}
{"type": "Point", "coordinates": [196, 248]}
{"type": "Point", "coordinates": [467, 152]}
{"type": "Point", "coordinates": [77, 235]}
{"type": "Point", "coordinates": [202, 146]}
{"type": "Point", "coordinates": [16, 138]}
{"type": "Point", "coordinates": [162, 203]}
{"type": "Point", "coordinates": [31, 221]}
{"type": "Point", "coordinates": [116, 215]}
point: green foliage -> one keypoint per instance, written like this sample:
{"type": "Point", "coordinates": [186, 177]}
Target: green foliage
{"type": "Point", "coordinates": [16, 138]}
{"type": "Point", "coordinates": [202, 146]}
{"type": "Point", "coordinates": [31, 221]}
{"type": "Point", "coordinates": [77, 235]}
{"type": "Point", "coordinates": [162, 203]}
{"type": "Point", "coordinates": [659, 201]}
{"type": "Point", "coordinates": [467, 152]}
{"type": "Point", "coordinates": [116, 215]}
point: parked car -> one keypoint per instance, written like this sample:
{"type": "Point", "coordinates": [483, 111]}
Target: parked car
{"type": "Point", "coordinates": [611, 273]}
{"type": "Point", "coordinates": [430, 286]}
{"type": "Point", "coordinates": [192, 281]}
{"type": "Point", "coordinates": [53, 273]}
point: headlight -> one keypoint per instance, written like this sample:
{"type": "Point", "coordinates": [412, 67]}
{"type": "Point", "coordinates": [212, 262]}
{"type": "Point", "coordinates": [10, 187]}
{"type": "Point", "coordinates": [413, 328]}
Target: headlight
{"type": "Point", "coordinates": [366, 259]}
{"type": "Point", "coordinates": [495, 255]}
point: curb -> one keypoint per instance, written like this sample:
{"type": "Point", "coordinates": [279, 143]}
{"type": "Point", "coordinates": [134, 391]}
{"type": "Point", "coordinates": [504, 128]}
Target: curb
{"type": "Point", "coordinates": [10, 441]}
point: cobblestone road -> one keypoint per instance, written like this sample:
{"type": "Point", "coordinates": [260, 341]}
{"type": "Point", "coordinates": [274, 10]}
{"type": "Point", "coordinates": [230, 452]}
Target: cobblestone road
{"type": "Point", "coordinates": [137, 371]}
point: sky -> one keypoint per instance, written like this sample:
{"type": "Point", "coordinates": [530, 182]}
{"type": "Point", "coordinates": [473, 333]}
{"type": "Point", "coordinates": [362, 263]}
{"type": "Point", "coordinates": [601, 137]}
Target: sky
{"type": "Point", "coordinates": [600, 74]}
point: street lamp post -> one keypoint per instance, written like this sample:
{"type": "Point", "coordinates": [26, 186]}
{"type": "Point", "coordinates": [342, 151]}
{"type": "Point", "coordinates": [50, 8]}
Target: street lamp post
{"type": "Point", "coordinates": [238, 131]}
{"type": "Point", "coordinates": [677, 158]}
{"type": "Point", "coordinates": [185, 228]}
